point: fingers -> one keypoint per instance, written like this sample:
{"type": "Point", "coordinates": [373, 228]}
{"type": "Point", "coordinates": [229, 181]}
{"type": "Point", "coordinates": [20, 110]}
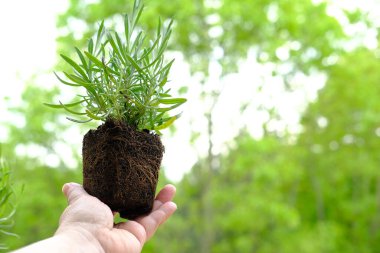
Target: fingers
{"type": "Point", "coordinates": [156, 218]}
{"type": "Point", "coordinates": [135, 229]}
{"type": "Point", "coordinates": [144, 228]}
{"type": "Point", "coordinates": [165, 195]}
{"type": "Point", "coordinates": [73, 191]}
{"type": "Point", "coordinates": [163, 208]}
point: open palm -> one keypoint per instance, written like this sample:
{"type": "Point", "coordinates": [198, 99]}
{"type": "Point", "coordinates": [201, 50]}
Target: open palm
{"type": "Point", "coordinates": [87, 217]}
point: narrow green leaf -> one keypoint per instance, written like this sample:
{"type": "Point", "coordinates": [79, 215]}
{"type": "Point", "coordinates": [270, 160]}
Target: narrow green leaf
{"type": "Point", "coordinates": [5, 198]}
{"type": "Point", "coordinates": [127, 30]}
{"type": "Point", "coordinates": [93, 59]}
{"type": "Point", "coordinates": [121, 47]}
{"type": "Point", "coordinates": [8, 233]}
{"type": "Point", "coordinates": [169, 101]}
{"type": "Point", "coordinates": [77, 80]}
{"type": "Point", "coordinates": [78, 121]}
{"type": "Point", "coordinates": [65, 82]}
{"type": "Point", "coordinates": [99, 63]}
{"type": "Point", "coordinates": [53, 106]}
{"type": "Point", "coordinates": [8, 217]}
{"type": "Point", "coordinates": [81, 57]}
{"type": "Point", "coordinates": [88, 86]}
{"type": "Point", "coordinates": [71, 111]}
{"type": "Point", "coordinates": [135, 65]}
{"type": "Point", "coordinates": [164, 72]}
{"type": "Point", "coordinates": [166, 124]}
{"type": "Point", "coordinates": [116, 48]}
{"type": "Point", "coordinates": [151, 48]}
{"type": "Point", "coordinates": [159, 26]}
{"type": "Point", "coordinates": [66, 105]}
{"type": "Point", "coordinates": [163, 82]}
{"type": "Point", "coordinates": [137, 44]}
{"type": "Point", "coordinates": [136, 88]}
{"type": "Point", "coordinates": [90, 46]}
{"type": "Point", "coordinates": [139, 8]}
{"type": "Point", "coordinates": [92, 115]}
{"type": "Point", "coordinates": [99, 34]}
{"type": "Point", "coordinates": [166, 109]}
{"type": "Point", "coordinates": [164, 95]}
{"type": "Point", "coordinates": [75, 66]}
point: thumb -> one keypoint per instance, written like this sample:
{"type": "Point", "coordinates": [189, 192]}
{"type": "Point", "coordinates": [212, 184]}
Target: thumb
{"type": "Point", "coordinates": [73, 191]}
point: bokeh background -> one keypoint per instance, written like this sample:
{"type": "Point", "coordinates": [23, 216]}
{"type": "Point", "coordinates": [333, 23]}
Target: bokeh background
{"type": "Point", "coordinates": [278, 146]}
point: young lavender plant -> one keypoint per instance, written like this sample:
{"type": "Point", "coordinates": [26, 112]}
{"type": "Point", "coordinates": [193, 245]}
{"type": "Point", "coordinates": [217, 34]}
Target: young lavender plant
{"type": "Point", "coordinates": [124, 77]}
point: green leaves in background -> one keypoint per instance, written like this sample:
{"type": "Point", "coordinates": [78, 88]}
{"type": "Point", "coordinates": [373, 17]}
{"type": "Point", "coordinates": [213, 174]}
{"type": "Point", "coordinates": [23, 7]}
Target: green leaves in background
{"type": "Point", "coordinates": [7, 210]}
{"type": "Point", "coordinates": [314, 192]}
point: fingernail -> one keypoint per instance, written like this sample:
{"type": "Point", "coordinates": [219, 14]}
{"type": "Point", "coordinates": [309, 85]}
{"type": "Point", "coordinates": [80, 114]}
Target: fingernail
{"type": "Point", "coordinates": [173, 205]}
{"type": "Point", "coordinates": [67, 186]}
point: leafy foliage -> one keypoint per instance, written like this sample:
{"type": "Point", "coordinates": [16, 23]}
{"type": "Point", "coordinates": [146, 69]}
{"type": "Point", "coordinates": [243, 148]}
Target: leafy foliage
{"type": "Point", "coordinates": [230, 28]}
{"type": "Point", "coordinates": [124, 77]}
{"type": "Point", "coordinates": [41, 204]}
{"type": "Point", "coordinates": [315, 192]}
{"type": "Point", "coordinates": [6, 209]}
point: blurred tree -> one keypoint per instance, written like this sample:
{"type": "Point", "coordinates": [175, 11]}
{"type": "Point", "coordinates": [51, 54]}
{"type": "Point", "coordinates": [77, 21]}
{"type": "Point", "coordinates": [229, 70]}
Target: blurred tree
{"type": "Point", "coordinates": [319, 193]}
{"type": "Point", "coordinates": [341, 134]}
{"type": "Point", "coordinates": [37, 129]}
{"type": "Point", "coordinates": [223, 31]}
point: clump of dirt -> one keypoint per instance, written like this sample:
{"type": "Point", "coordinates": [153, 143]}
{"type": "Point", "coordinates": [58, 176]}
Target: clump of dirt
{"type": "Point", "coordinates": [121, 167]}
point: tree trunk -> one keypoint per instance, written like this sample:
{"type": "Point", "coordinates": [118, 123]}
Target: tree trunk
{"type": "Point", "coordinates": [207, 237]}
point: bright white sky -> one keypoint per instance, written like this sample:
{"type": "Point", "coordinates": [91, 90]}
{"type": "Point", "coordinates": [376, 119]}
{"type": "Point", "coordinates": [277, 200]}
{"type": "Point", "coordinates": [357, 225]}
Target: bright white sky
{"type": "Point", "coordinates": [27, 47]}
{"type": "Point", "coordinates": [27, 40]}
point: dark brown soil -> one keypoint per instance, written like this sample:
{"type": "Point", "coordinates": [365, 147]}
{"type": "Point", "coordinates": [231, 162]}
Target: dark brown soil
{"type": "Point", "coordinates": [121, 167]}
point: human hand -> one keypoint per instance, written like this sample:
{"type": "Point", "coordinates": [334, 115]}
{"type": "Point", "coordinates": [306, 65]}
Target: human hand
{"type": "Point", "coordinates": [88, 221]}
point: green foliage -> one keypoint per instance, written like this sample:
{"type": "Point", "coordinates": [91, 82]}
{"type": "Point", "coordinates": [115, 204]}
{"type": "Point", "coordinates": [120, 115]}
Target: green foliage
{"type": "Point", "coordinates": [41, 204]}
{"type": "Point", "coordinates": [317, 191]}
{"type": "Point", "coordinates": [7, 210]}
{"type": "Point", "coordinates": [342, 136]}
{"type": "Point", "coordinates": [124, 77]}
{"type": "Point", "coordinates": [40, 201]}
{"type": "Point", "coordinates": [225, 31]}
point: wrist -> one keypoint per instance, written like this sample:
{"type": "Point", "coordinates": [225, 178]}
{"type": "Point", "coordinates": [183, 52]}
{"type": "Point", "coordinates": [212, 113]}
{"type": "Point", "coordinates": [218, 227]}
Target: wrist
{"type": "Point", "coordinates": [78, 240]}
{"type": "Point", "coordinates": [74, 241]}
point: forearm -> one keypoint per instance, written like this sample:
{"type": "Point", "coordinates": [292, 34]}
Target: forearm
{"type": "Point", "coordinates": [64, 243]}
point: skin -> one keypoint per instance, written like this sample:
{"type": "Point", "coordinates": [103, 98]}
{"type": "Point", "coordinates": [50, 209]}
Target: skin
{"type": "Point", "coordinates": [87, 225]}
